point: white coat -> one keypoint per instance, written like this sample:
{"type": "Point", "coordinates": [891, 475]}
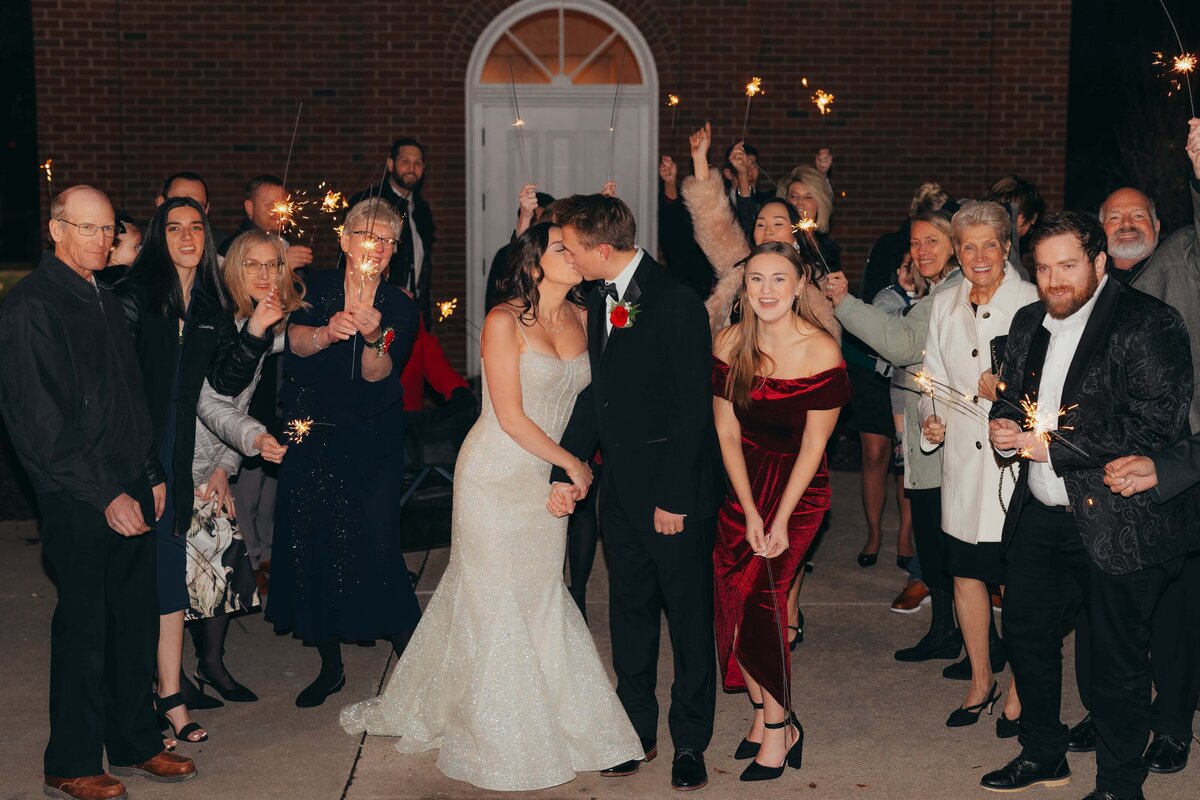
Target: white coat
{"type": "Point", "coordinates": [957, 351]}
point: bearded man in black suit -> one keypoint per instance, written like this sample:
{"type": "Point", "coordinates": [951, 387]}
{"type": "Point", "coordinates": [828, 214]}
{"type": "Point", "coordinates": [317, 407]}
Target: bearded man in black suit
{"type": "Point", "coordinates": [1111, 372]}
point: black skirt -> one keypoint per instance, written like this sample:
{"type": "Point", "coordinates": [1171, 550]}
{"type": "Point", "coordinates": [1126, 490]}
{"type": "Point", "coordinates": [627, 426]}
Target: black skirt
{"type": "Point", "coordinates": [871, 406]}
{"type": "Point", "coordinates": [979, 561]}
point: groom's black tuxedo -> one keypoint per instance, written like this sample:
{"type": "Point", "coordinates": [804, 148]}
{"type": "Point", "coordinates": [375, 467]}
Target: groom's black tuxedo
{"type": "Point", "coordinates": [649, 407]}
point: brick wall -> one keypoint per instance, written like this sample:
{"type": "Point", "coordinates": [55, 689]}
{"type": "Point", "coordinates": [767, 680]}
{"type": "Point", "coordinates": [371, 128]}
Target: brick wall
{"type": "Point", "coordinates": [959, 92]}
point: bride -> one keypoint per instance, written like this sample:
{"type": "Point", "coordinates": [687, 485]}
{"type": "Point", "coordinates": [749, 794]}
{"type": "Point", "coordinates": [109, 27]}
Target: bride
{"type": "Point", "coordinates": [501, 673]}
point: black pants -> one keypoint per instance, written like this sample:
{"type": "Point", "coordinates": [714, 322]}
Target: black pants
{"type": "Point", "coordinates": [930, 541]}
{"type": "Point", "coordinates": [1047, 565]}
{"type": "Point", "coordinates": [583, 532]}
{"type": "Point", "coordinates": [103, 638]}
{"type": "Point", "coordinates": [650, 573]}
{"type": "Point", "coordinates": [1174, 655]}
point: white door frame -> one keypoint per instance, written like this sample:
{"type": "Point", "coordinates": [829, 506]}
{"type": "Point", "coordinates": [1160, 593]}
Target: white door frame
{"type": "Point", "coordinates": [644, 204]}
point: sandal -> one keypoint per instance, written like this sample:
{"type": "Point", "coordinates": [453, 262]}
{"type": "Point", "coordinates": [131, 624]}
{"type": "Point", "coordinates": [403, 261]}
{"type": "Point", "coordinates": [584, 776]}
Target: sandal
{"type": "Point", "coordinates": [164, 704]}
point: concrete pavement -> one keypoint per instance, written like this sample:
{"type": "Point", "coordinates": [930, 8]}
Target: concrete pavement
{"type": "Point", "coordinates": [874, 726]}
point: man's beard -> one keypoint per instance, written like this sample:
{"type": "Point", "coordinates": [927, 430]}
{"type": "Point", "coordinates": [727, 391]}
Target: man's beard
{"type": "Point", "coordinates": [1061, 309]}
{"type": "Point", "coordinates": [1134, 250]}
{"type": "Point", "coordinates": [408, 181]}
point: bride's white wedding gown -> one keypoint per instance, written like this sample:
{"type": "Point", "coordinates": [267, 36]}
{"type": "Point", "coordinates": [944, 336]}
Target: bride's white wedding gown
{"type": "Point", "coordinates": [502, 674]}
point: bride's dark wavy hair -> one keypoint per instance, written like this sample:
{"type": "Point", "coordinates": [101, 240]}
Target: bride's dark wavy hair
{"type": "Point", "coordinates": [524, 272]}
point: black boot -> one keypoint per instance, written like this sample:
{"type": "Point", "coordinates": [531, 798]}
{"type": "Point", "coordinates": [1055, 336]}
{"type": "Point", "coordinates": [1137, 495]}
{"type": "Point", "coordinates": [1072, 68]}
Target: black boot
{"type": "Point", "coordinates": [943, 639]}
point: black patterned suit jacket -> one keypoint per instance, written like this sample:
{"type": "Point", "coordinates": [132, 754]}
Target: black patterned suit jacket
{"type": "Point", "coordinates": [1127, 392]}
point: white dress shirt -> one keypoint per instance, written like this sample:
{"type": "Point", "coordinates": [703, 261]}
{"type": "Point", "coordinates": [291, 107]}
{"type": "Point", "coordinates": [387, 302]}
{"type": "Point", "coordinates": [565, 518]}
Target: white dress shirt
{"type": "Point", "coordinates": [418, 245]}
{"type": "Point", "coordinates": [622, 283]}
{"type": "Point", "coordinates": [1065, 334]}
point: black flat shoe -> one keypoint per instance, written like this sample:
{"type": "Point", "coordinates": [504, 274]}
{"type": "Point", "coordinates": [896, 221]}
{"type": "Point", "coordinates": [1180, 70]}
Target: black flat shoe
{"type": "Point", "coordinates": [746, 748]}
{"type": "Point", "coordinates": [969, 715]}
{"type": "Point", "coordinates": [902, 561]}
{"type": "Point", "coordinates": [1007, 728]}
{"type": "Point", "coordinates": [868, 559]}
{"type": "Point", "coordinates": [164, 704]}
{"type": "Point", "coordinates": [315, 693]}
{"type": "Point", "coordinates": [1021, 773]}
{"type": "Point", "coordinates": [687, 770]}
{"type": "Point", "coordinates": [233, 694]}
{"type": "Point", "coordinates": [932, 646]}
{"type": "Point", "coordinates": [1082, 738]}
{"type": "Point", "coordinates": [1167, 755]}
{"type": "Point", "coordinates": [627, 768]}
{"type": "Point", "coordinates": [795, 755]}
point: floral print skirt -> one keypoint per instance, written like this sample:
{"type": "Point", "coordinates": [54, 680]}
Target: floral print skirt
{"type": "Point", "coordinates": [220, 578]}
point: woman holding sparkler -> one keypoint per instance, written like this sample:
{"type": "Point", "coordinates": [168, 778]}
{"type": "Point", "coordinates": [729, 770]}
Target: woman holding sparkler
{"type": "Point", "coordinates": [901, 340]}
{"type": "Point", "coordinates": [502, 676]}
{"type": "Point", "coordinates": [221, 579]}
{"type": "Point", "coordinates": [181, 320]}
{"type": "Point", "coordinates": [779, 383]}
{"type": "Point", "coordinates": [960, 352]}
{"type": "Point", "coordinates": [338, 573]}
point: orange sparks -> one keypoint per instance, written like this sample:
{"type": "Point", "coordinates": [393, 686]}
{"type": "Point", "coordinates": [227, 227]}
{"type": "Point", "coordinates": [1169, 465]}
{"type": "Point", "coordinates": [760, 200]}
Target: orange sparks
{"type": "Point", "coordinates": [806, 225]}
{"type": "Point", "coordinates": [823, 100]}
{"type": "Point", "coordinates": [298, 429]}
{"type": "Point", "coordinates": [672, 100]}
{"type": "Point", "coordinates": [46, 168]}
{"type": "Point", "coordinates": [332, 202]}
{"type": "Point", "coordinates": [446, 308]}
{"type": "Point", "coordinates": [1185, 62]}
{"type": "Point", "coordinates": [289, 213]}
{"type": "Point", "coordinates": [754, 87]}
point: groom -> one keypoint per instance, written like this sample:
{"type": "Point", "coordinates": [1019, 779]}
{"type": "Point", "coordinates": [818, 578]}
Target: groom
{"type": "Point", "coordinates": [649, 407]}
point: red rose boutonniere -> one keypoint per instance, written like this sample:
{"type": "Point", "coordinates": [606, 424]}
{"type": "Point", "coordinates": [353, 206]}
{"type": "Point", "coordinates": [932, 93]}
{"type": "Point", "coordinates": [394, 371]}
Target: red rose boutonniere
{"type": "Point", "coordinates": [623, 314]}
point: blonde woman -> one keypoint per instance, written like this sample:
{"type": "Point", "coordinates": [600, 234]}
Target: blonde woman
{"type": "Point", "coordinates": [220, 578]}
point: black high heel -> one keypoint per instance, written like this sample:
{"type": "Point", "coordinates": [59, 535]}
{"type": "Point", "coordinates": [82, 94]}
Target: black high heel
{"type": "Point", "coordinates": [747, 748]}
{"type": "Point", "coordinates": [1007, 728]}
{"type": "Point", "coordinates": [969, 715]}
{"type": "Point", "coordinates": [868, 559]}
{"type": "Point", "coordinates": [795, 755]}
{"type": "Point", "coordinates": [164, 704]}
{"type": "Point", "coordinates": [237, 693]}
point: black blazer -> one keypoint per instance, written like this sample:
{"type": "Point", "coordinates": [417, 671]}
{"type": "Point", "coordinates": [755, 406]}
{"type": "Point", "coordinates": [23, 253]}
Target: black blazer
{"type": "Point", "coordinates": [1127, 392]}
{"type": "Point", "coordinates": [212, 347]}
{"type": "Point", "coordinates": [649, 405]}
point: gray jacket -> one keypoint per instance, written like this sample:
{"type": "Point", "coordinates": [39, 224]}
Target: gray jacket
{"type": "Point", "coordinates": [224, 431]}
{"type": "Point", "coordinates": [1173, 275]}
{"type": "Point", "coordinates": [901, 340]}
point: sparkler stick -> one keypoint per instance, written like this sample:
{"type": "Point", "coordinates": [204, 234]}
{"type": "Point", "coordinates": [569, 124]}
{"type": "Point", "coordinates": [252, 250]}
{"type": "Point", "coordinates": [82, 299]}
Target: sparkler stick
{"type": "Point", "coordinates": [331, 203]}
{"type": "Point", "coordinates": [1185, 62]}
{"type": "Point", "coordinates": [673, 104]}
{"type": "Point", "coordinates": [754, 87]}
{"type": "Point", "coordinates": [47, 169]}
{"type": "Point", "coordinates": [612, 120]}
{"type": "Point", "coordinates": [924, 382]}
{"type": "Point", "coordinates": [287, 165]}
{"type": "Point", "coordinates": [518, 123]}
{"type": "Point", "coordinates": [299, 429]}
{"type": "Point", "coordinates": [808, 226]}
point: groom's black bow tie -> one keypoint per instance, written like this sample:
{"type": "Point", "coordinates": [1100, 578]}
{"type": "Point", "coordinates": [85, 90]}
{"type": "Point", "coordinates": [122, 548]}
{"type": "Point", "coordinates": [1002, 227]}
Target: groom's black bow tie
{"type": "Point", "coordinates": [610, 289]}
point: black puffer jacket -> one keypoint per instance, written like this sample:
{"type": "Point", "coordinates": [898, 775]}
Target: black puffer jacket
{"type": "Point", "coordinates": [213, 348]}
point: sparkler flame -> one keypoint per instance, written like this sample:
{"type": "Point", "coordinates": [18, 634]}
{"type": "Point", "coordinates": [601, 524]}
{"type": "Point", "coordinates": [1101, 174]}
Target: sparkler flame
{"type": "Point", "coordinates": [297, 429]}
{"type": "Point", "coordinates": [754, 87]}
{"type": "Point", "coordinates": [672, 100]}
{"type": "Point", "coordinates": [823, 100]}
{"type": "Point", "coordinates": [1185, 62]}
{"type": "Point", "coordinates": [519, 123]}
{"type": "Point", "coordinates": [46, 168]}
{"type": "Point", "coordinates": [924, 382]}
{"type": "Point", "coordinates": [289, 213]}
{"type": "Point", "coordinates": [1174, 68]}
{"type": "Point", "coordinates": [804, 82]}
{"type": "Point", "coordinates": [332, 202]}
{"type": "Point", "coordinates": [806, 225]}
{"type": "Point", "coordinates": [1041, 422]}
{"type": "Point", "coordinates": [446, 308]}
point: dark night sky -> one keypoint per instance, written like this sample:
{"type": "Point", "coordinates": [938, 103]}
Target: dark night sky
{"type": "Point", "coordinates": [1123, 128]}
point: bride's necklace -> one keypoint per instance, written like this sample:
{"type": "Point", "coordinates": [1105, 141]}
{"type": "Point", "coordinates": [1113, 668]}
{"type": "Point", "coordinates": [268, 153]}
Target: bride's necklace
{"type": "Point", "coordinates": [562, 326]}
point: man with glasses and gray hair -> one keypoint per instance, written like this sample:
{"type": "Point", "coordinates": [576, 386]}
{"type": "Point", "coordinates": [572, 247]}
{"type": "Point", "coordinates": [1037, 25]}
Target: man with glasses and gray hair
{"type": "Point", "coordinates": [71, 395]}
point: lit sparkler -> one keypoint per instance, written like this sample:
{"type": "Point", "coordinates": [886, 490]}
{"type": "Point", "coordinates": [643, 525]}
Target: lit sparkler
{"type": "Point", "coordinates": [808, 226]}
{"type": "Point", "coordinates": [1184, 63]}
{"type": "Point", "coordinates": [290, 213]}
{"type": "Point", "coordinates": [446, 308]}
{"type": "Point", "coordinates": [1177, 71]}
{"type": "Point", "coordinates": [47, 169]}
{"type": "Point", "coordinates": [673, 104]}
{"type": "Point", "coordinates": [332, 202]}
{"type": "Point", "coordinates": [823, 100]}
{"type": "Point", "coordinates": [612, 119]}
{"type": "Point", "coordinates": [518, 123]}
{"type": "Point", "coordinates": [925, 383]}
{"type": "Point", "coordinates": [298, 429]}
{"type": "Point", "coordinates": [804, 82]}
{"type": "Point", "coordinates": [753, 88]}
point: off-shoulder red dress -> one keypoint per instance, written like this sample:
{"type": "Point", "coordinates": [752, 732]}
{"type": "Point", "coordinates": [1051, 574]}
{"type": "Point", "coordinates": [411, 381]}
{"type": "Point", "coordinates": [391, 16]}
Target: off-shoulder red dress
{"type": "Point", "coordinates": [746, 598]}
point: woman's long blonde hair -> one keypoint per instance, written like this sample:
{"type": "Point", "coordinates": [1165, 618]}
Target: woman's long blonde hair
{"type": "Point", "coordinates": [290, 289]}
{"type": "Point", "coordinates": [748, 364]}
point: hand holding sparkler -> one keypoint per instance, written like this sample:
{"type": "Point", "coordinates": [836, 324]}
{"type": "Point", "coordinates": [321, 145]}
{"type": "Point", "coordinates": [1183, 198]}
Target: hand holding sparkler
{"type": "Point", "coordinates": [836, 287]}
{"type": "Point", "coordinates": [1129, 475]}
{"type": "Point", "coordinates": [340, 327]}
{"type": "Point", "coordinates": [776, 542]}
{"type": "Point", "coordinates": [741, 167]}
{"type": "Point", "coordinates": [266, 313]}
{"type": "Point", "coordinates": [367, 320]}
{"type": "Point", "coordinates": [1006, 435]}
{"type": "Point", "coordinates": [756, 532]}
{"type": "Point", "coordinates": [933, 428]}
{"type": "Point", "coordinates": [989, 382]}
{"type": "Point", "coordinates": [527, 204]}
{"type": "Point", "coordinates": [609, 189]}
{"type": "Point", "coordinates": [270, 448]}
{"type": "Point", "coordinates": [699, 142]}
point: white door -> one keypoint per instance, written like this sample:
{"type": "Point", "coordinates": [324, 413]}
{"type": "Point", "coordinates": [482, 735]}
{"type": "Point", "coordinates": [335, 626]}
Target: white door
{"type": "Point", "coordinates": [568, 148]}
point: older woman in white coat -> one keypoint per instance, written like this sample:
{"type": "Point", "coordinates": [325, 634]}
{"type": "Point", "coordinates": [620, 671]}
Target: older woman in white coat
{"type": "Point", "coordinates": [964, 326]}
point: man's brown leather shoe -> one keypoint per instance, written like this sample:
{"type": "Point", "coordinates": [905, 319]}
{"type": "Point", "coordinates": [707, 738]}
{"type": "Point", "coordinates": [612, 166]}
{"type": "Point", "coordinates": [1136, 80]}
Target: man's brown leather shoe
{"type": "Point", "coordinates": [90, 787]}
{"type": "Point", "coordinates": [164, 768]}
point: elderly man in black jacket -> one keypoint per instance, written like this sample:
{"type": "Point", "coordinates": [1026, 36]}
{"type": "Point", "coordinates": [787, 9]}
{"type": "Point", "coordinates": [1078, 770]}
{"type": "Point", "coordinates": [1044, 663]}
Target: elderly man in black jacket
{"type": "Point", "coordinates": [1118, 365]}
{"type": "Point", "coordinates": [71, 394]}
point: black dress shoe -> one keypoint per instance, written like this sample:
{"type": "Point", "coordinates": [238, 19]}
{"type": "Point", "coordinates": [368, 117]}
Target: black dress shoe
{"type": "Point", "coordinates": [1099, 795]}
{"type": "Point", "coordinates": [627, 768]}
{"type": "Point", "coordinates": [1021, 773]}
{"type": "Point", "coordinates": [315, 693]}
{"type": "Point", "coordinates": [687, 770]}
{"type": "Point", "coordinates": [931, 646]}
{"type": "Point", "coordinates": [1166, 754]}
{"type": "Point", "coordinates": [1082, 738]}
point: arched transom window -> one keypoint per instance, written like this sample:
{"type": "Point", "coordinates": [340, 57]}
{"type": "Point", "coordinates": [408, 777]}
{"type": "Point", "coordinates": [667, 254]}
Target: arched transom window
{"type": "Point", "coordinates": [561, 47]}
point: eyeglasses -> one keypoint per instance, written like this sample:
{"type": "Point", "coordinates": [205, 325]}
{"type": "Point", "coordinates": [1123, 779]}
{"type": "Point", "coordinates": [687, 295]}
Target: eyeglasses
{"type": "Point", "coordinates": [257, 267]}
{"type": "Point", "coordinates": [368, 238]}
{"type": "Point", "coordinates": [88, 230]}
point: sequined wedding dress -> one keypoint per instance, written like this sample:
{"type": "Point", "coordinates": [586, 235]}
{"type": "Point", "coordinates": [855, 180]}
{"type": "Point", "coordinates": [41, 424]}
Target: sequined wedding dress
{"type": "Point", "coordinates": [502, 674]}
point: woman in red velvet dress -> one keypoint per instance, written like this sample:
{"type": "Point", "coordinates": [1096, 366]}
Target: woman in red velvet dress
{"type": "Point", "coordinates": [779, 383]}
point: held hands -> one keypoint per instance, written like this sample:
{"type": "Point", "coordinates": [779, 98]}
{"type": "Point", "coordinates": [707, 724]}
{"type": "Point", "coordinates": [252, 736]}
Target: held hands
{"type": "Point", "coordinates": [124, 515]}
{"type": "Point", "coordinates": [1131, 474]}
{"type": "Point", "coordinates": [270, 448]}
{"type": "Point", "coordinates": [837, 287]}
{"type": "Point", "coordinates": [989, 382]}
{"type": "Point", "coordinates": [217, 486]}
{"type": "Point", "coordinates": [824, 161]}
{"type": "Point", "coordinates": [934, 429]}
{"type": "Point", "coordinates": [1007, 435]}
{"type": "Point", "coordinates": [563, 497]}
{"type": "Point", "coordinates": [266, 313]}
{"type": "Point", "coordinates": [298, 256]}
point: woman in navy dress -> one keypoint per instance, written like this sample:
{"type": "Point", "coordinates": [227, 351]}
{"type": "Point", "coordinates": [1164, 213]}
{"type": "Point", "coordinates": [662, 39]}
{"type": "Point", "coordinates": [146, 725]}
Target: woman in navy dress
{"type": "Point", "coordinates": [338, 573]}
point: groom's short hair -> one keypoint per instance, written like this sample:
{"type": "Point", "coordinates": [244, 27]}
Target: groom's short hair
{"type": "Point", "coordinates": [598, 219]}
